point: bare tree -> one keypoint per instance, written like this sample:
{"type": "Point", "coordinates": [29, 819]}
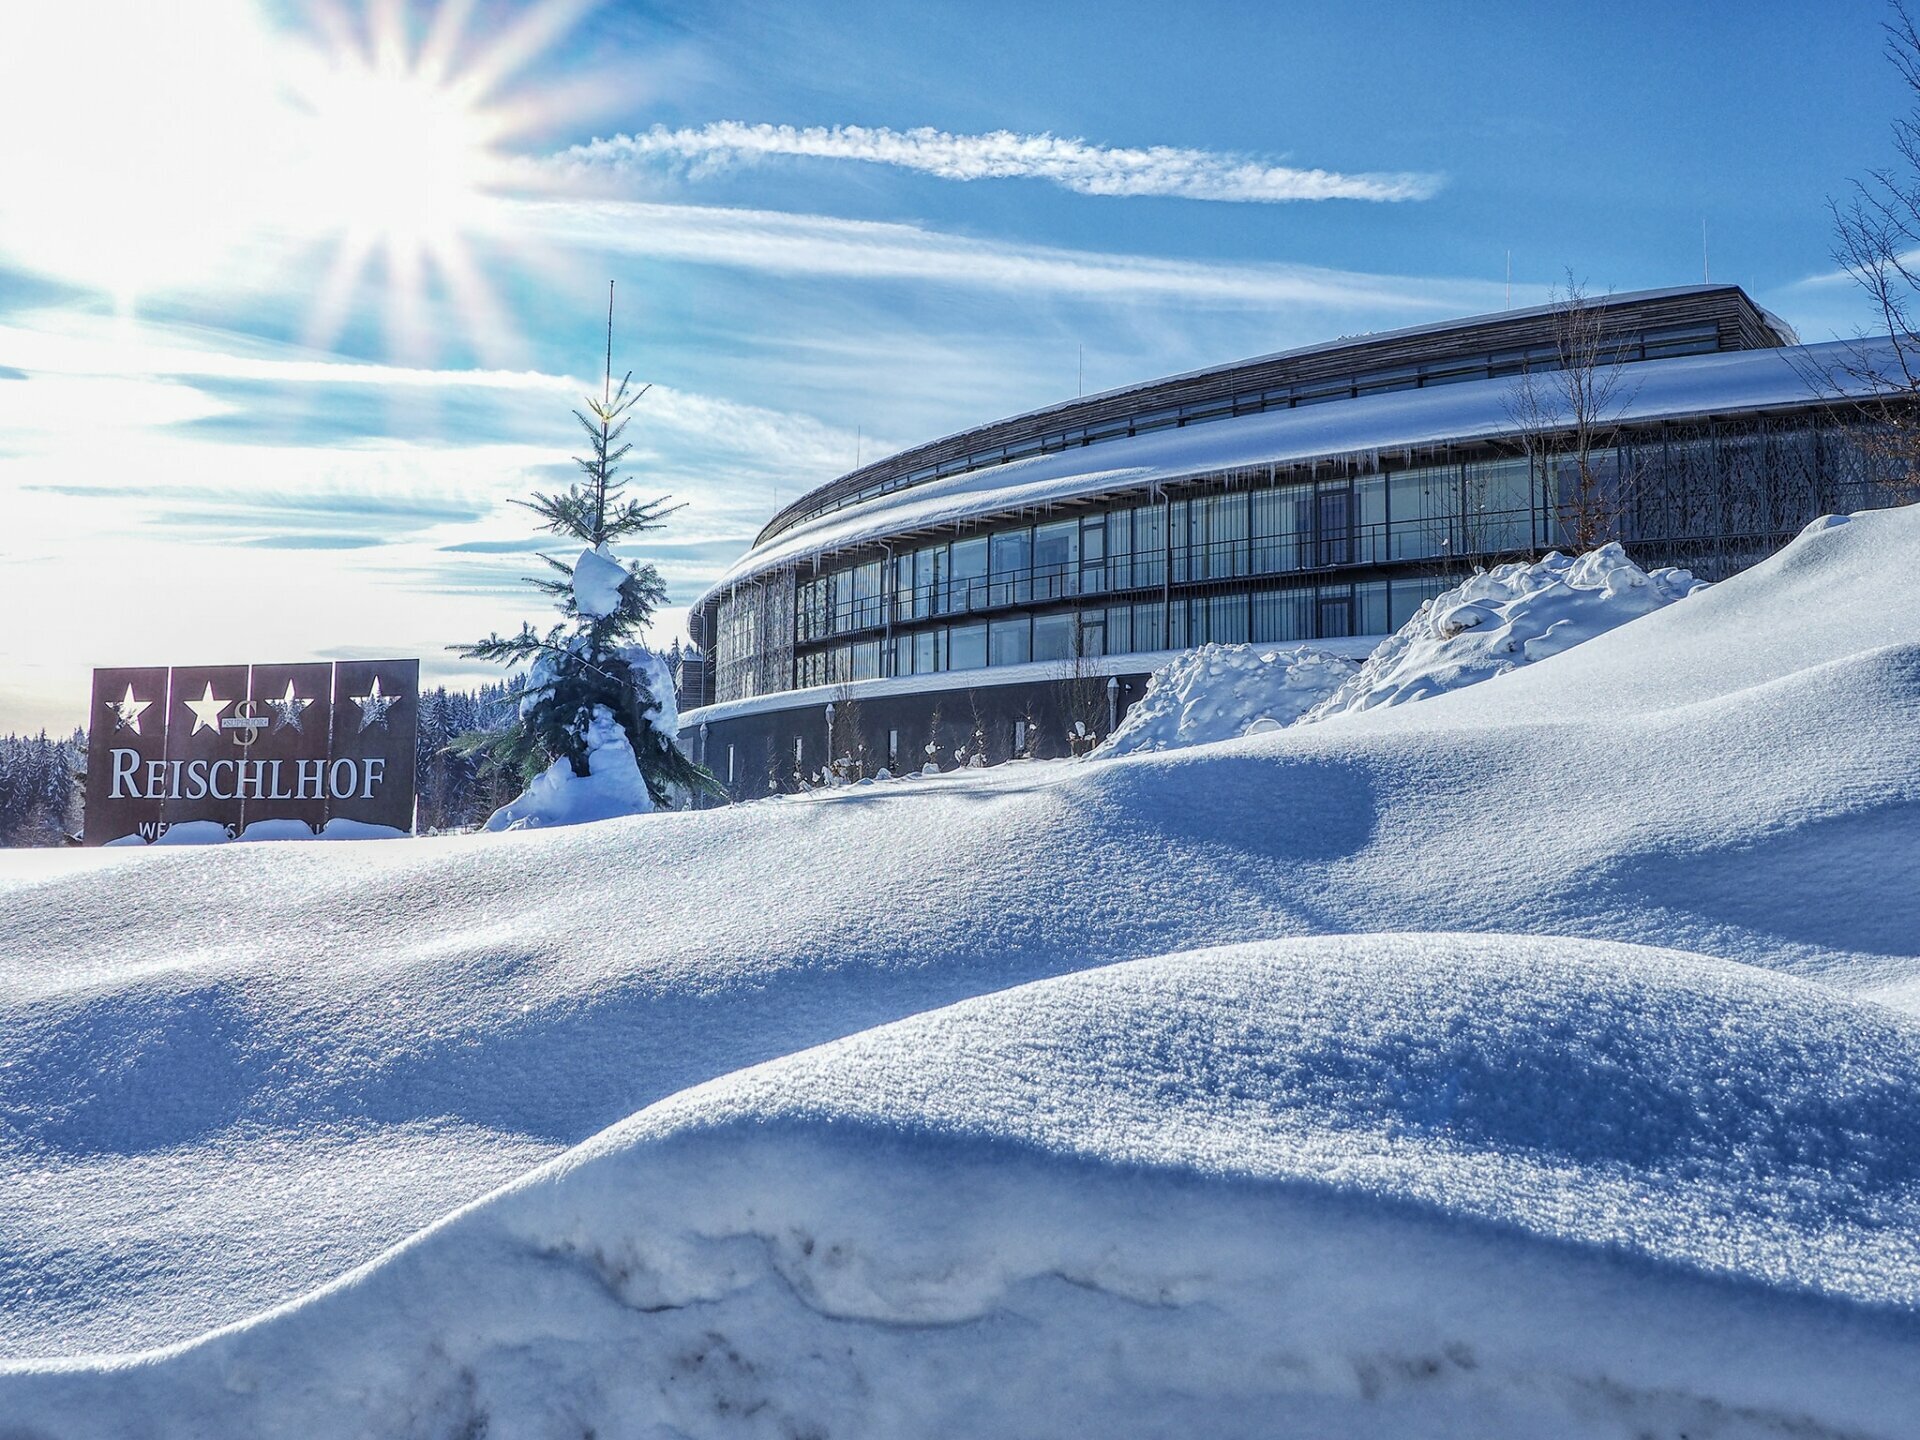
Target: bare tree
{"type": "Point", "coordinates": [847, 744]}
{"type": "Point", "coordinates": [1876, 241]}
{"type": "Point", "coordinates": [1082, 694]}
{"type": "Point", "coordinates": [1567, 417]}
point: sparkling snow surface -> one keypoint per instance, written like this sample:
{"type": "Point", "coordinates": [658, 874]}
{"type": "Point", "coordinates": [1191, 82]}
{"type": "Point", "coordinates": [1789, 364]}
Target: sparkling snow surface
{"type": "Point", "coordinates": [1525, 1181]}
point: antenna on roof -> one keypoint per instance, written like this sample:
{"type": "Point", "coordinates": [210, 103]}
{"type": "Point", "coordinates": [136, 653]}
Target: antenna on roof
{"type": "Point", "coordinates": [1706, 275]}
{"type": "Point", "coordinates": [1083, 368]}
{"type": "Point", "coordinates": [1509, 279]}
{"type": "Point", "coordinates": [856, 446]}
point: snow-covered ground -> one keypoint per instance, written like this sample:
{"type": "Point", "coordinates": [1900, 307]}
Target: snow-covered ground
{"type": "Point", "coordinates": [927, 1109]}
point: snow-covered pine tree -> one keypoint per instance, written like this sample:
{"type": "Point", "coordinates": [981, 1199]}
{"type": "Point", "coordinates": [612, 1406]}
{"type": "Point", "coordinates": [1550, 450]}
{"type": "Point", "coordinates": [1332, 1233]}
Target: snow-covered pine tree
{"type": "Point", "coordinates": [590, 700]}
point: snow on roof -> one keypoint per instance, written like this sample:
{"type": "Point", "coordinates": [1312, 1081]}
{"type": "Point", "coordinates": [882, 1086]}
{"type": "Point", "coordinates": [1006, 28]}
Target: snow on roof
{"type": "Point", "coordinates": [1722, 383]}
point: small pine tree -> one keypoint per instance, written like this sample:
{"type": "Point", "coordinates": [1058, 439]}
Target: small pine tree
{"type": "Point", "coordinates": [585, 663]}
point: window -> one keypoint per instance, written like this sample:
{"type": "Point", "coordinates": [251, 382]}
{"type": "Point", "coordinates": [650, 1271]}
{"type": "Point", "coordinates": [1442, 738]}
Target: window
{"type": "Point", "coordinates": [1117, 632]}
{"type": "Point", "coordinates": [1421, 505]}
{"type": "Point", "coordinates": [1227, 619]}
{"type": "Point", "coordinates": [729, 764]}
{"type": "Point", "coordinates": [1499, 506]}
{"type": "Point", "coordinates": [1212, 533]}
{"type": "Point", "coordinates": [929, 651]}
{"type": "Point", "coordinates": [1012, 560]}
{"type": "Point", "coordinates": [1370, 519]}
{"type": "Point", "coordinates": [1335, 612]}
{"type": "Point", "coordinates": [929, 570]}
{"type": "Point", "coordinates": [1019, 736]}
{"type": "Point", "coordinates": [903, 654]}
{"type": "Point", "coordinates": [900, 581]}
{"type": "Point", "coordinates": [966, 646]}
{"type": "Point", "coordinates": [1334, 511]}
{"type": "Point", "coordinates": [1149, 627]}
{"type": "Point", "coordinates": [1052, 637]}
{"type": "Point", "coordinates": [1370, 608]}
{"type": "Point", "coordinates": [1093, 555]}
{"type": "Point", "coordinates": [1056, 559]}
{"type": "Point", "coordinates": [866, 660]}
{"type": "Point", "coordinates": [1009, 642]}
{"type": "Point", "coordinates": [1282, 615]}
{"type": "Point", "coordinates": [1282, 528]}
{"type": "Point", "coordinates": [967, 577]}
{"type": "Point", "coordinates": [1149, 546]}
{"type": "Point", "coordinates": [1407, 596]}
{"type": "Point", "coordinates": [893, 747]}
{"type": "Point", "coordinates": [866, 594]}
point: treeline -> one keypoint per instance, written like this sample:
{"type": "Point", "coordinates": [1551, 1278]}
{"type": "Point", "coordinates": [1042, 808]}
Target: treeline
{"type": "Point", "coordinates": [39, 788]}
{"type": "Point", "coordinates": [42, 779]}
{"type": "Point", "coordinates": [452, 794]}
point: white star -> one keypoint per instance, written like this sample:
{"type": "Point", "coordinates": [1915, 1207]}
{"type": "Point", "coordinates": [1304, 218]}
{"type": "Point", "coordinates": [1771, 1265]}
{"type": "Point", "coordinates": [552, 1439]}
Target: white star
{"type": "Point", "coordinates": [286, 711]}
{"type": "Point", "coordinates": [206, 711]}
{"type": "Point", "coordinates": [374, 706]}
{"type": "Point", "coordinates": [126, 713]}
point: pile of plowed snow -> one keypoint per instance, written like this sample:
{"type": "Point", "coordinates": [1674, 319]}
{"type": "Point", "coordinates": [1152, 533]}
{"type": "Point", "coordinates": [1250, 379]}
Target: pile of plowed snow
{"type": "Point", "coordinates": [1221, 692]}
{"type": "Point", "coordinates": [1486, 1185]}
{"type": "Point", "coordinates": [1503, 618]}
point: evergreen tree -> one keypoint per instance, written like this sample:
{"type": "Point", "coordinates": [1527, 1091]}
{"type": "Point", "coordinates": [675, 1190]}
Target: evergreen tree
{"type": "Point", "coordinates": [586, 664]}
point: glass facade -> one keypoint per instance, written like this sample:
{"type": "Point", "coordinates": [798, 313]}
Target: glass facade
{"type": "Point", "coordinates": [1290, 559]}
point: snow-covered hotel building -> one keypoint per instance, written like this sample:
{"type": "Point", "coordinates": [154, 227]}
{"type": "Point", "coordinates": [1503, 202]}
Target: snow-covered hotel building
{"type": "Point", "coordinates": [1317, 495]}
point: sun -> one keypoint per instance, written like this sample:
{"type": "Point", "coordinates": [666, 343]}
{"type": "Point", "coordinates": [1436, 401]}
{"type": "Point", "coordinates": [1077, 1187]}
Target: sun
{"type": "Point", "coordinates": [220, 151]}
{"type": "Point", "coordinates": [396, 155]}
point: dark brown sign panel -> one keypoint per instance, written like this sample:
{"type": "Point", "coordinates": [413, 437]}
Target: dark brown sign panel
{"type": "Point", "coordinates": [375, 702]}
{"type": "Point", "coordinates": [126, 737]}
{"type": "Point", "coordinates": [292, 708]}
{"type": "Point", "coordinates": [204, 778]}
{"type": "Point", "coordinates": [294, 745]}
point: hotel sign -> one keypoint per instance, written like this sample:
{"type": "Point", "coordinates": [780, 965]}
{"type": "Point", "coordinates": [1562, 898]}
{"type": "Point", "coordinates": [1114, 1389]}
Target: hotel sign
{"type": "Point", "coordinates": [235, 745]}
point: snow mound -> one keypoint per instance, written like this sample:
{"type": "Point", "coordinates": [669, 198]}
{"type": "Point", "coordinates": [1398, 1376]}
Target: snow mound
{"type": "Point", "coordinates": [1502, 619]}
{"type": "Point", "coordinates": [228, 1075]}
{"type": "Point", "coordinates": [612, 787]}
{"type": "Point", "coordinates": [1415, 1186]}
{"type": "Point", "coordinates": [1220, 692]}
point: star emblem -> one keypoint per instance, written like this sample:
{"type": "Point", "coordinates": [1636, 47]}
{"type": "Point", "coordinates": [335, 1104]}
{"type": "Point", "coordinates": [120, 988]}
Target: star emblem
{"type": "Point", "coordinates": [126, 712]}
{"type": "Point", "coordinates": [286, 710]}
{"type": "Point", "coordinates": [206, 711]}
{"type": "Point", "coordinates": [374, 705]}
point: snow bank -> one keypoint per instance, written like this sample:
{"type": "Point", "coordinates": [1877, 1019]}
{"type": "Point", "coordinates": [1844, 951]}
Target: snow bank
{"type": "Point", "coordinates": [229, 1074]}
{"type": "Point", "coordinates": [1502, 619]}
{"type": "Point", "coordinates": [1218, 691]}
{"type": "Point", "coordinates": [1408, 1186]}
{"type": "Point", "coordinates": [611, 787]}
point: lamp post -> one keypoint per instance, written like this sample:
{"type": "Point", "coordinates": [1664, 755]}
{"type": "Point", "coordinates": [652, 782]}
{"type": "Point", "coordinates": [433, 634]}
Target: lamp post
{"type": "Point", "coordinates": [1113, 703]}
{"type": "Point", "coordinates": [827, 769]}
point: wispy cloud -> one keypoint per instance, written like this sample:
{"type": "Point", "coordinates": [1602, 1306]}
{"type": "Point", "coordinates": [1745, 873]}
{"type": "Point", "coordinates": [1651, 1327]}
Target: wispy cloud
{"type": "Point", "coordinates": [783, 243]}
{"type": "Point", "coordinates": [1073, 164]}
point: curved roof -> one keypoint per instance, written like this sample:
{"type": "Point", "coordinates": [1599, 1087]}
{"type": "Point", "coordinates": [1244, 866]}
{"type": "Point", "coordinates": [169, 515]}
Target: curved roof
{"type": "Point", "coordinates": [1726, 383]}
{"type": "Point", "coordinates": [1683, 319]}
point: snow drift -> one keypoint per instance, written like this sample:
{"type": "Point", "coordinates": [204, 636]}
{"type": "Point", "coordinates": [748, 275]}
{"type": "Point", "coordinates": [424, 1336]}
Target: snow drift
{"type": "Point", "coordinates": [1218, 691]}
{"type": "Point", "coordinates": [227, 1076]}
{"type": "Point", "coordinates": [1403, 1186]}
{"type": "Point", "coordinates": [1503, 618]}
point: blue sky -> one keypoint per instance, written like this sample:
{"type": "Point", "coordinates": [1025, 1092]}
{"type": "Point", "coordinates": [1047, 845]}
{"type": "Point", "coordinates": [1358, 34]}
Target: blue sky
{"type": "Point", "coordinates": [295, 297]}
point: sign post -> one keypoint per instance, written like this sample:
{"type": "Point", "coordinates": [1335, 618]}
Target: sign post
{"type": "Point", "coordinates": [234, 745]}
